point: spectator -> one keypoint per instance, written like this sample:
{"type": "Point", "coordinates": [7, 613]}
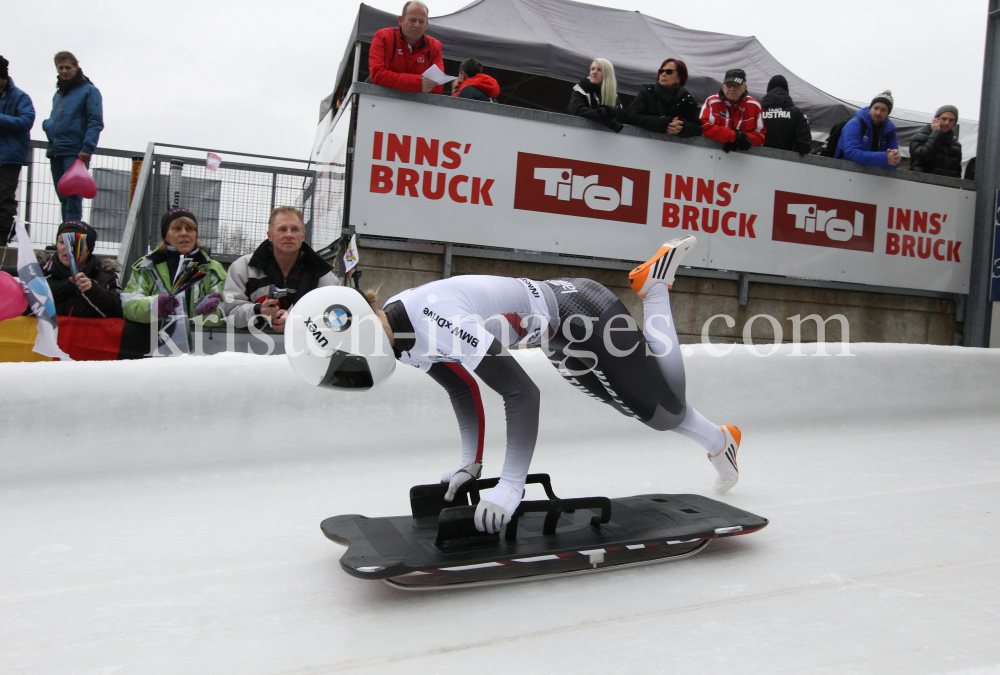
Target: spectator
{"type": "Point", "coordinates": [93, 293]}
{"type": "Point", "coordinates": [283, 263]}
{"type": "Point", "coordinates": [17, 115]}
{"type": "Point", "coordinates": [73, 127]}
{"type": "Point", "coordinates": [970, 170]}
{"type": "Point", "coordinates": [473, 83]}
{"type": "Point", "coordinates": [869, 137]}
{"type": "Point", "coordinates": [787, 126]}
{"type": "Point", "coordinates": [399, 56]}
{"type": "Point", "coordinates": [666, 107]}
{"type": "Point", "coordinates": [731, 117]}
{"type": "Point", "coordinates": [146, 297]}
{"type": "Point", "coordinates": [596, 97]}
{"type": "Point", "coordinates": [935, 149]}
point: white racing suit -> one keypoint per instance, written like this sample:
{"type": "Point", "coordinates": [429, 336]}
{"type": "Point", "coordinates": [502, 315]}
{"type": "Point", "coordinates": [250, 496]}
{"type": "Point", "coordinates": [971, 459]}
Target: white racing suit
{"type": "Point", "coordinates": [464, 322]}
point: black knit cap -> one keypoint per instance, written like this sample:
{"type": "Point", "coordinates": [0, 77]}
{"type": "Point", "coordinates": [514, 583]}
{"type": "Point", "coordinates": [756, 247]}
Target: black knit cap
{"type": "Point", "coordinates": [172, 215]}
{"type": "Point", "coordinates": [778, 81]}
{"type": "Point", "coordinates": [4, 73]}
{"type": "Point", "coordinates": [82, 228]}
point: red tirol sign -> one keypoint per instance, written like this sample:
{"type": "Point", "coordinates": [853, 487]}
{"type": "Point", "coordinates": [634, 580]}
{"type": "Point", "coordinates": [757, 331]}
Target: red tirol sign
{"type": "Point", "coordinates": [582, 189]}
{"type": "Point", "coordinates": [821, 221]}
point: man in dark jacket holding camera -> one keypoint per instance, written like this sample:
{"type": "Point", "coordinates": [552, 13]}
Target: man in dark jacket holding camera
{"type": "Point", "coordinates": [261, 287]}
{"type": "Point", "coordinates": [787, 126]}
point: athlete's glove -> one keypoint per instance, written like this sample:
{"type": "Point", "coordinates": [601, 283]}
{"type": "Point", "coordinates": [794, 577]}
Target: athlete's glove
{"type": "Point", "coordinates": [729, 147]}
{"type": "Point", "coordinates": [460, 478]}
{"type": "Point", "coordinates": [496, 506]}
{"type": "Point", "coordinates": [165, 305]}
{"type": "Point", "coordinates": [490, 518]}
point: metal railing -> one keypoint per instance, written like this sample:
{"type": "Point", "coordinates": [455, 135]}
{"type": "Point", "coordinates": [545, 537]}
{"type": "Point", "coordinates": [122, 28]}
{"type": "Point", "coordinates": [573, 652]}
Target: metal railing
{"type": "Point", "coordinates": [39, 205]}
{"type": "Point", "coordinates": [232, 203]}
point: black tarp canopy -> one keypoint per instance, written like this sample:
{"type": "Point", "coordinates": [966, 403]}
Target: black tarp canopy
{"type": "Point", "coordinates": [537, 50]}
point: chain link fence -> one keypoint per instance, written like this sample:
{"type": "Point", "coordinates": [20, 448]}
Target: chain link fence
{"type": "Point", "coordinates": [232, 203]}
{"type": "Point", "coordinates": [39, 205]}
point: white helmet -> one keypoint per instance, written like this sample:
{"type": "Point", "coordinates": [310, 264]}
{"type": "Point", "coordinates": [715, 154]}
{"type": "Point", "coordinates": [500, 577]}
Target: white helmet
{"type": "Point", "coordinates": [334, 339]}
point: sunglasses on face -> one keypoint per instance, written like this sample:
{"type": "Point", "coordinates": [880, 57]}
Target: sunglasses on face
{"type": "Point", "coordinates": [666, 71]}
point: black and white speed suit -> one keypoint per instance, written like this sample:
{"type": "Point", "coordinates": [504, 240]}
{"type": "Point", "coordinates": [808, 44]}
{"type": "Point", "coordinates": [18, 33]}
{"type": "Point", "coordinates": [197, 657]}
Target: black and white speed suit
{"type": "Point", "coordinates": [587, 333]}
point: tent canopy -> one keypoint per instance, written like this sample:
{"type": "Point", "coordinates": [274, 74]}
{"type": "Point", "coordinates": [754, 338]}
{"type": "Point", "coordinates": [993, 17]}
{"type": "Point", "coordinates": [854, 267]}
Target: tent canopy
{"type": "Point", "coordinates": [537, 49]}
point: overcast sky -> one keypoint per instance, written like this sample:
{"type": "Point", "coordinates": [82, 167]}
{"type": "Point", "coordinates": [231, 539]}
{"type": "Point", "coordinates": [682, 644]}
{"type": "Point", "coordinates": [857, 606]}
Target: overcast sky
{"type": "Point", "coordinates": [249, 76]}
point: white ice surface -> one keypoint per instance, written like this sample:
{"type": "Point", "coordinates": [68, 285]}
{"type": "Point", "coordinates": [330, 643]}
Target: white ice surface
{"type": "Point", "coordinates": [162, 516]}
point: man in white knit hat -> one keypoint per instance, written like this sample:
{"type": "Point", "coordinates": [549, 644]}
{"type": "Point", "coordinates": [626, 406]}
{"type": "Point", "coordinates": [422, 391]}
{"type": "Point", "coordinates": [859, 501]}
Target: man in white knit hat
{"type": "Point", "coordinates": [870, 137]}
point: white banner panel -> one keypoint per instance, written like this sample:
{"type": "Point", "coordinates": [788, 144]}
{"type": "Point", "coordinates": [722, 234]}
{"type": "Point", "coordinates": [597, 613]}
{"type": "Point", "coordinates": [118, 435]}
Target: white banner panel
{"type": "Point", "coordinates": [444, 174]}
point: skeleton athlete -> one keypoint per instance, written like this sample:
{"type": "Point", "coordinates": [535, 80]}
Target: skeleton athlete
{"type": "Point", "coordinates": [449, 327]}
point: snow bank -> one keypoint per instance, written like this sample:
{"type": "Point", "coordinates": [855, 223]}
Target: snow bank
{"type": "Point", "coordinates": [69, 419]}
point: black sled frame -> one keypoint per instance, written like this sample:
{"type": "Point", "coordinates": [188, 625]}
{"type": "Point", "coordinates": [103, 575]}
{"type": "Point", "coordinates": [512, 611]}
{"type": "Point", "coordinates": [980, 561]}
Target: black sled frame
{"type": "Point", "coordinates": [438, 547]}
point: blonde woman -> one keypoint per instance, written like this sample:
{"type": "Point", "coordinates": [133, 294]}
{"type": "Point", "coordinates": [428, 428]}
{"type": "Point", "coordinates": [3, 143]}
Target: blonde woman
{"type": "Point", "coordinates": [596, 97]}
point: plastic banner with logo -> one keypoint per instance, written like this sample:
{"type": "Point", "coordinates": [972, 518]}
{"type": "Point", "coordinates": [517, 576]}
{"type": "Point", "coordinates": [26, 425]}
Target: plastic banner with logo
{"type": "Point", "coordinates": [444, 174]}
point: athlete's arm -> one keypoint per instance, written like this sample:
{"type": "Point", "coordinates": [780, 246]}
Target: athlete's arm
{"type": "Point", "coordinates": [521, 399]}
{"type": "Point", "coordinates": [468, 406]}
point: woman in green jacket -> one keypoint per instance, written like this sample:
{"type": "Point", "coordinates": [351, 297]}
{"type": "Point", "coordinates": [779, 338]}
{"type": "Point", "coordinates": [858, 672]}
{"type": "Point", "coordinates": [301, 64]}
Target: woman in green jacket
{"type": "Point", "coordinates": [147, 298]}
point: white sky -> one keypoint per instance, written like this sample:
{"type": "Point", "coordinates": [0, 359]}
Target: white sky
{"type": "Point", "coordinates": [249, 76]}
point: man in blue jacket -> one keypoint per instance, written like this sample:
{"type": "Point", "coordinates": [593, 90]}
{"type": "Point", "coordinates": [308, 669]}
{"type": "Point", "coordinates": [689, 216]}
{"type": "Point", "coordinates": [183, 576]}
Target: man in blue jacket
{"type": "Point", "coordinates": [73, 127]}
{"type": "Point", "coordinates": [16, 117]}
{"type": "Point", "coordinates": [869, 138]}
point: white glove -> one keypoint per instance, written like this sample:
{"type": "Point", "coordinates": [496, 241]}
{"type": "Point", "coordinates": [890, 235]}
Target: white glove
{"type": "Point", "coordinates": [460, 478]}
{"type": "Point", "coordinates": [496, 506]}
{"type": "Point", "coordinates": [490, 518]}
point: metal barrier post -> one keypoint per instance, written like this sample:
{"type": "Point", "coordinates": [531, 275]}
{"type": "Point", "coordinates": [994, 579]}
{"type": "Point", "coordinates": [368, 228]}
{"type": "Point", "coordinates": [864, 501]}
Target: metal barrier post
{"type": "Point", "coordinates": [357, 61]}
{"type": "Point", "coordinates": [126, 252]}
{"type": "Point", "coordinates": [27, 186]}
{"type": "Point", "coordinates": [978, 314]}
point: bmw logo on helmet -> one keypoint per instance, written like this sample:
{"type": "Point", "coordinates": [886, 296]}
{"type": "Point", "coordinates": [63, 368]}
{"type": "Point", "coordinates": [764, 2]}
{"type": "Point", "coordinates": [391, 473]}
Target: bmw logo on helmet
{"type": "Point", "coordinates": [337, 318]}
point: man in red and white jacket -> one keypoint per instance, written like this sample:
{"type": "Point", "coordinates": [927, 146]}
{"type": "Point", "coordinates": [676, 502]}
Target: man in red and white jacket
{"type": "Point", "coordinates": [731, 117]}
{"type": "Point", "coordinates": [399, 56]}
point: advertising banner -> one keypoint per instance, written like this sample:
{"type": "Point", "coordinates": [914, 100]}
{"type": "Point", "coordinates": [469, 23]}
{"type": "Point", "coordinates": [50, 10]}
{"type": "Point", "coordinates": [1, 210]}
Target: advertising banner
{"type": "Point", "coordinates": [443, 174]}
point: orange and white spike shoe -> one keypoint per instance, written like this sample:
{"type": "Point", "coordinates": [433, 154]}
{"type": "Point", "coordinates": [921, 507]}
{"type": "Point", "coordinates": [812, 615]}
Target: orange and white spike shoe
{"type": "Point", "coordinates": [725, 461]}
{"type": "Point", "coordinates": [661, 268]}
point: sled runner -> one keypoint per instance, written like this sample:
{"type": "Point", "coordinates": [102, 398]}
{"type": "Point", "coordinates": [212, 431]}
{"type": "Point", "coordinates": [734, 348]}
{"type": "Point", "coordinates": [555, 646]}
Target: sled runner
{"type": "Point", "coordinates": [438, 547]}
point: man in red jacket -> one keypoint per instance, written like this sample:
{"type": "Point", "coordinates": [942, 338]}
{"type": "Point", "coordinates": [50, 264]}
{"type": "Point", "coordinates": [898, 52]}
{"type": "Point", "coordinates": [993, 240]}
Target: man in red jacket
{"type": "Point", "coordinates": [731, 117]}
{"type": "Point", "coordinates": [399, 56]}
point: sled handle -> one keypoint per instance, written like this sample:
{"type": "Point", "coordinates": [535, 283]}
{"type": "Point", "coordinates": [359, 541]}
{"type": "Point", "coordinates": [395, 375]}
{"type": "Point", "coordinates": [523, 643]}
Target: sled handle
{"type": "Point", "coordinates": [554, 508]}
{"type": "Point", "coordinates": [485, 483]}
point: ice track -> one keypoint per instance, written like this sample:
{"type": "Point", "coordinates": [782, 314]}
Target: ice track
{"type": "Point", "coordinates": [163, 517]}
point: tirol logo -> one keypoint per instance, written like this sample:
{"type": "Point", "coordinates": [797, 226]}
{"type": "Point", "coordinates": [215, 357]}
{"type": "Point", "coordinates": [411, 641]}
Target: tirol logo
{"type": "Point", "coordinates": [337, 318]}
{"type": "Point", "coordinates": [574, 188]}
{"type": "Point", "coordinates": [821, 221]}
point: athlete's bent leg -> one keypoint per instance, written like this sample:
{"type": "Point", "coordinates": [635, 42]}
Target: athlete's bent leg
{"type": "Point", "coordinates": [651, 282]}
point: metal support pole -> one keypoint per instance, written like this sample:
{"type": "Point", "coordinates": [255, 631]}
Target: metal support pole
{"type": "Point", "coordinates": [133, 238]}
{"type": "Point", "coordinates": [446, 270]}
{"type": "Point", "coordinates": [357, 61]}
{"type": "Point", "coordinates": [274, 188]}
{"type": "Point", "coordinates": [27, 187]}
{"type": "Point", "coordinates": [978, 314]}
{"type": "Point", "coordinates": [744, 288]}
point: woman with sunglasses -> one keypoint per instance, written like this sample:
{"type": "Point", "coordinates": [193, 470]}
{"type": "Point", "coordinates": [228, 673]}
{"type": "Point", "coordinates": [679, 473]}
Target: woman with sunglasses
{"type": "Point", "coordinates": [596, 97]}
{"type": "Point", "coordinates": [667, 107]}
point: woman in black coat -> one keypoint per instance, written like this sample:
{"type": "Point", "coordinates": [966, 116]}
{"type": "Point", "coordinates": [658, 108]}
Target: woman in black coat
{"type": "Point", "coordinates": [93, 293]}
{"type": "Point", "coordinates": [667, 107]}
{"type": "Point", "coordinates": [596, 97]}
{"type": "Point", "coordinates": [935, 148]}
